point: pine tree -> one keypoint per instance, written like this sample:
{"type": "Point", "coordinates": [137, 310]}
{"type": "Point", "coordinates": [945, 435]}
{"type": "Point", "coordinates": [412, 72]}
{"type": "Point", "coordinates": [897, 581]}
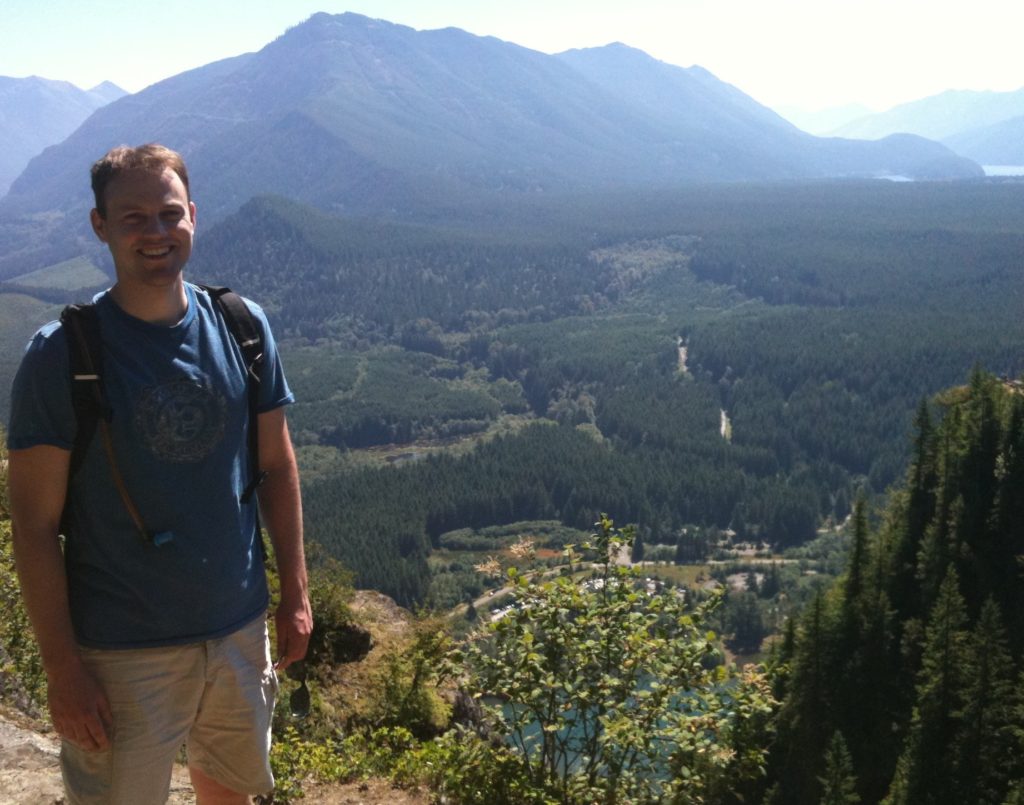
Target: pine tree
{"type": "Point", "coordinates": [806, 719]}
{"type": "Point", "coordinates": [983, 749]}
{"type": "Point", "coordinates": [839, 783]}
{"type": "Point", "coordinates": [1000, 557]}
{"type": "Point", "coordinates": [856, 569]}
{"type": "Point", "coordinates": [925, 770]}
{"type": "Point", "coordinates": [637, 553]}
{"type": "Point", "coordinates": [919, 509]}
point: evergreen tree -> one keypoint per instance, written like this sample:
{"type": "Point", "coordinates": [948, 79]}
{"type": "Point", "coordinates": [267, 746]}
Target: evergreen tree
{"type": "Point", "coordinates": [637, 551]}
{"type": "Point", "coordinates": [1015, 796]}
{"type": "Point", "coordinates": [983, 751]}
{"type": "Point", "coordinates": [772, 583]}
{"type": "Point", "coordinates": [1007, 543]}
{"type": "Point", "coordinates": [856, 569]}
{"type": "Point", "coordinates": [806, 717]}
{"type": "Point", "coordinates": [839, 783]}
{"type": "Point", "coordinates": [745, 621]}
{"type": "Point", "coordinates": [925, 774]}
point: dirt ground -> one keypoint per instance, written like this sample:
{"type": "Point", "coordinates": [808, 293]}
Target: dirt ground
{"type": "Point", "coordinates": [30, 775]}
{"type": "Point", "coordinates": [29, 767]}
{"type": "Point", "coordinates": [370, 792]}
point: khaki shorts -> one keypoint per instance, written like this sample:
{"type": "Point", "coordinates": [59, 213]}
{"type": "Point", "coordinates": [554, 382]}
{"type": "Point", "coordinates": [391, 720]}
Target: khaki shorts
{"type": "Point", "coordinates": [216, 697]}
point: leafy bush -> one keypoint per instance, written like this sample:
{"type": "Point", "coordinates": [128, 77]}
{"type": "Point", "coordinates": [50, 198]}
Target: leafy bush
{"type": "Point", "coordinates": [22, 679]}
{"type": "Point", "coordinates": [605, 694]}
{"type": "Point", "coordinates": [385, 752]}
{"type": "Point", "coordinates": [408, 697]}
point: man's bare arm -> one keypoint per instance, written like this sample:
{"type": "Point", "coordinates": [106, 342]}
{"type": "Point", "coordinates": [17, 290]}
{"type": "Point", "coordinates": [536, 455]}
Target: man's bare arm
{"type": "Point", "coordinates": [281, 507]}
{"type": "Point", "coordinates": [37, 478]}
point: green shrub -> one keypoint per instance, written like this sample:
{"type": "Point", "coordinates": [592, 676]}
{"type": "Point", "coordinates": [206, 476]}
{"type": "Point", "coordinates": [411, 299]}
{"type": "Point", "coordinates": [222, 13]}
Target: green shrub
{"type": "Point", "coordinates": [607, 694]}
{"type": "Point", "coordinates": [22, 679]}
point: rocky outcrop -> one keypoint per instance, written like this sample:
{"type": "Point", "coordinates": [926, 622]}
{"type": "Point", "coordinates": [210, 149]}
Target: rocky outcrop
{"type": "Point", "coordinates": [30, 768]}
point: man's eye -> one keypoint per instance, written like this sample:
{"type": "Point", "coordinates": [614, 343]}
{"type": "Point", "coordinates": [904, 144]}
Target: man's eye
{"type": "Point", "coordinates": [172, 215]}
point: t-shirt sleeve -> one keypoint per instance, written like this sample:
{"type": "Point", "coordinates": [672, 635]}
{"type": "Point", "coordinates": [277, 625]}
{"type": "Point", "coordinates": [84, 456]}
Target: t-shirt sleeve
{"type": "Point", "coordinates": [41, 407]}
{"type": "Point", "coordinates": [274, 390]}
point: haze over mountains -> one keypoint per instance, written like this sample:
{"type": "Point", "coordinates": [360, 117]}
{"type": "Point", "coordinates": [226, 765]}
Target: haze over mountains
{"type": "Point", "coordinates": [363, 116]}
{"type": "Point", "coordinates": [37, 113]}
{"type": "Point", "coordinates": [987, 127]}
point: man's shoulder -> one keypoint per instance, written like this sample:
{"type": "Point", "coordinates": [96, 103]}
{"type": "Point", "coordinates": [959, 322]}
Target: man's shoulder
{"type": "Point", "coordinates": [205, 293]}
{"type": "Point", "coordinates": [47, 340]}
{"type": "Point", "coordinates": [256, 315]}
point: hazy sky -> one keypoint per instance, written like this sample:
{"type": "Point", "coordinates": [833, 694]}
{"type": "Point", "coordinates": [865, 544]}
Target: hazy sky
{"type": "Point", "coordinates": [808, 53]}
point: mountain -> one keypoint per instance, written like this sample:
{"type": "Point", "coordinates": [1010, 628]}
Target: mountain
{"type": "Point", "coordinates": [726, 130]}
{"type": "Point", "coordinates": [939, 117]}
{"type": "Point", "coordinates": [1000, 143]}
{"type": "Point", "coordinates": [38, 113]}
{"type": "Point", "coordinates": [108, 92]}
{"type": "Point", "coordinates": [824, 121]}
{"type": "Point", "coordinates": [358, 115]}
{"type": "Point", "coordinates": [726, 135]}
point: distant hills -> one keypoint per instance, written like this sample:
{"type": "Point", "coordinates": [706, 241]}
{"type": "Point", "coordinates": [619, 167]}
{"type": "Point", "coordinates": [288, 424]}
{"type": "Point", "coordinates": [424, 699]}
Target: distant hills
{"type": "Point", "coordinates": [986, 127]}
{"type": "Point", "coordinates": [38, 113]}
{"type": "Point", "coordinates": [357, 115]}
{"type": "Point", "coordinates": [1000, 143]}
{"type": "Point", "coordinates": [823, 122]}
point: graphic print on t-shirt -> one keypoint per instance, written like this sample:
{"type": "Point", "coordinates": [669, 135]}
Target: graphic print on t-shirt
{"type": "Point", "coordinates": [180, 420]}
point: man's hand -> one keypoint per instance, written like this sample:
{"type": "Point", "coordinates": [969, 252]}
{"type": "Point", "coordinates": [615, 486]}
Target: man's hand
{"type": "Point", "coordinates": [294, 622]}
{"type": "Point", "coordinates": [281, 507]}
{"type": "Point", "coordinates": [38, 480]}
{"type": "Point", "coordinates": [78, 707]}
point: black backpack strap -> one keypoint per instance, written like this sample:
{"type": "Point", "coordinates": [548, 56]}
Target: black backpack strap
{"type": "Point", "coordinates": [249, 337]}
{"type": "Point", "coordinates": [81, 327]}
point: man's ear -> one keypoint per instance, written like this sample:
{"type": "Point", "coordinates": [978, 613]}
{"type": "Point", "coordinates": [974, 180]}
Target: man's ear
{"type": "Point", "coordinates": [99, 224]}
{"type": "Point", "coordinates": [192, 212]}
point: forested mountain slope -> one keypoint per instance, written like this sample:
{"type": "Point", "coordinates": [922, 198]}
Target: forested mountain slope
{"type": "Point", "coordinates": [915, 656]}
{"type": "Point", "coordinates": [814, 319]}
{"type": "Point", "coordinates": [362, 116]}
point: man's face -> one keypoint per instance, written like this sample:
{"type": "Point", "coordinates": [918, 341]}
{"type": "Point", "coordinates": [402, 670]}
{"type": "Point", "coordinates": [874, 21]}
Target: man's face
{"type": "Point", "coordinates": [148, 227]}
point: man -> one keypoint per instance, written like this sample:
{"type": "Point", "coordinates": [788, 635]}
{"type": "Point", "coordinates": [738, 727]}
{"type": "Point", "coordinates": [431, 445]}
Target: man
{"type": "Point", "coordinates": [149, 643]}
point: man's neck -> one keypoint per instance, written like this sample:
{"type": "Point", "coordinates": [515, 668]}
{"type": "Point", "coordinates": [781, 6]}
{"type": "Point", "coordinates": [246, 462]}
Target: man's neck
{"type": "Point", "coordinates": [165, 306]}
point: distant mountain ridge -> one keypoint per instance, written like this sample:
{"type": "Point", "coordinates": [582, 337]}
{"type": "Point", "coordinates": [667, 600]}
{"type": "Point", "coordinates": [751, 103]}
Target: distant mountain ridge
{"type": "Point", "coordinates": [823, 122]}
{"type": "Point", "coordinates": [357, 115]}
{"type": "Point", "coordinates": [1000, 143]}
{"type": "Point", "coordinates": [37, 113]}
{"type": "Point", "coordinates": [938, 116]}
{"type": "Point", "coordinates": [983, 126]}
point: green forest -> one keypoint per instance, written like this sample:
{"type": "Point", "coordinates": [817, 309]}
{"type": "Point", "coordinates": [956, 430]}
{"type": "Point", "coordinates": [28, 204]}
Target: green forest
{"type": "Point", "coordinates": [744, 359]}
{"type": "Point", "coordinates": [740, 358]}
{"type": "Point", "coordinates": [900, 683]}
{"type": "Point", "coordinates": [794, 408]}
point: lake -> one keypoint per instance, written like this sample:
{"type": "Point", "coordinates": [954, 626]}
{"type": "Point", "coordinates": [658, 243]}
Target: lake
{"type": "Point", "coordinates": [1003, 170]}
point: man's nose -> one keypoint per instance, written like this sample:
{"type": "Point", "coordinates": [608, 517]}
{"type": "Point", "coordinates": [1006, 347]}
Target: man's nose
{"type": "Point", "coordinates": [155, 225]}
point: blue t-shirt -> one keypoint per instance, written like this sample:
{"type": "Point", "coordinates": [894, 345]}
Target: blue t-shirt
{"type": "Point", "coordinates": [180, 411]}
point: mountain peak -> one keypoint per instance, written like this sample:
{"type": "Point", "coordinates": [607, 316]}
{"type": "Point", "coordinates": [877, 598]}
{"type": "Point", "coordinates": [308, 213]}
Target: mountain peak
{"type": "Point", "coordinates": [349, 112]}
{"type": "Point", "coordinates": [618, 50]}
{"type": "Point", "coordinates": [321, 23]}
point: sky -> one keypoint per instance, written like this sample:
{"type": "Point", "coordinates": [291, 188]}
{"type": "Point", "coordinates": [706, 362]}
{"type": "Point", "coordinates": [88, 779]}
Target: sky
{"type": "Point", "coordinates": [807, 54]}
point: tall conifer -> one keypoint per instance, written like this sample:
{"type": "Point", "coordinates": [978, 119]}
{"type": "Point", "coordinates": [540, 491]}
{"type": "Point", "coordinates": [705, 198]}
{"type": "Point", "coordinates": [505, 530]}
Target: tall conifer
{"type": "Point", "coordinates": [838, 782]}
{"type": "Point", "coordinates": [983, 752]}
{"type": "Point", "coordinates": [925, 774]}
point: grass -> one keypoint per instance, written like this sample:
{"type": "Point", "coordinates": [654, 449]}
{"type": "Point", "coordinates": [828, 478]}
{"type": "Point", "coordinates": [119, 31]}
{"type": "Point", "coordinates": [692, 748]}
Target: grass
{"type": "Point", "coordinates": [70, 275]}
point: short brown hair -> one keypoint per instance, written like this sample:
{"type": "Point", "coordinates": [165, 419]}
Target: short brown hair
{"type": "Point", "coordinates": [150, 157]}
